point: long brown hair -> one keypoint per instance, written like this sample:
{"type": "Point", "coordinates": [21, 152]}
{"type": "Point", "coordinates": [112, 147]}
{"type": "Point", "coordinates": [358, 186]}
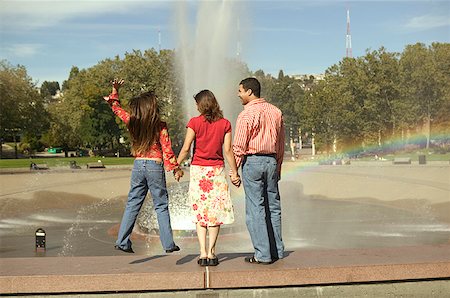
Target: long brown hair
{"type": "Point", "coordinates": [145, 122]}
{"type": "Point", "coordinates": [208, 106]}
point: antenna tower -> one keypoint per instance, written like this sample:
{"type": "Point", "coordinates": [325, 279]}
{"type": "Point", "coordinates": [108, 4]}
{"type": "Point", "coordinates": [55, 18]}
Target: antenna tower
{"type": "Point", "coordinates": [238, 48]}
{"type": "Point", "coordinates": [159, 40]}
{"type": "Point", "coordinates": [348, 38]}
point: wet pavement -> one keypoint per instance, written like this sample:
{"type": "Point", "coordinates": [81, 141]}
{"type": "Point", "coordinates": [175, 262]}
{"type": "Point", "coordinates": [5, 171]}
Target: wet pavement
{"type": "Point", "coordinates": [324, 207]}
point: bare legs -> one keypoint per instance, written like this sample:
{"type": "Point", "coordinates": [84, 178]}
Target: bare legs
{"type": "Point", "coordinates": [213, 232]}
{"type": "Point", "coordinates": [201, 234]}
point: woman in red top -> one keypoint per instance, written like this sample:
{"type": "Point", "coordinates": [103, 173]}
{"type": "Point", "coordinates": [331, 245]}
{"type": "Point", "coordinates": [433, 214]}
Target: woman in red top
{"type": "Point", "coordinates": [153, 151]}
{"type": "Point", "coordinates": [208, 187]}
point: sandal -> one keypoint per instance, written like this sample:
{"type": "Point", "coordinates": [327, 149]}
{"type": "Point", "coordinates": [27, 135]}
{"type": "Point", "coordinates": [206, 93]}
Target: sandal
{"type": "Point", "coordinates": [202, 261]}
{"type": "Point", "coordinates": [252, 260]}
{"type": "Point", "coordinates": [213, 262]}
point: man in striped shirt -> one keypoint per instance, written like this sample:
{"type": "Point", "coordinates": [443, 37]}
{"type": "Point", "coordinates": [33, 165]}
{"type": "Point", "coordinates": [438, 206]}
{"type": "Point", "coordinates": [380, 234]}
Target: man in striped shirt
{"type": "Point", "coordinates": [259, 147]}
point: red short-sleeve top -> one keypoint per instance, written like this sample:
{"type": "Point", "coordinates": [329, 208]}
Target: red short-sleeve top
{"type": "Point", "coordinates": [209, 138]}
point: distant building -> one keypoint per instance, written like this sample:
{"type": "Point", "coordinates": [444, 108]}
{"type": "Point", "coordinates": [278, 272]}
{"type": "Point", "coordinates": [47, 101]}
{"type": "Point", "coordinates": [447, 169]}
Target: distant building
{"type": "Point", "coordinates": [317, 77]}
{"type": "Point", "coordinates": [308, 80]}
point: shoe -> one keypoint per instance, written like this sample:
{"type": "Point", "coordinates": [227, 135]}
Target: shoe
{"type": "Point", "coordinates": [252, 260]}
{"type": "Point", "coordinates": [128, 250]}
{"type": "Point", "coordinates": [202, 262]}
{"type": "Point", "coordinates": [213, 262]}
{"type": "Point", "coordinates": [175, 248]}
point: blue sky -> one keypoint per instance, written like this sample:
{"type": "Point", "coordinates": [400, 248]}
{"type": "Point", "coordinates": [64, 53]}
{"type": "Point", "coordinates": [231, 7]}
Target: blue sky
{"type": "Point", "coordinates": [49, 37]}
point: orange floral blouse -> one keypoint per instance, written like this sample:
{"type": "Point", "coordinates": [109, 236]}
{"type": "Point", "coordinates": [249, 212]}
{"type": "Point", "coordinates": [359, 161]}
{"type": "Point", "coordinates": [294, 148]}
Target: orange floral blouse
{"type": "Point", "coordinates": [161, 149]}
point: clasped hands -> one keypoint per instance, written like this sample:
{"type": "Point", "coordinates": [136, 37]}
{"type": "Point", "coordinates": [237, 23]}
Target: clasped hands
{"type": "Point", "coordinates": [235, 178]}
{"type": "Point", "coordinates": [178, 173]}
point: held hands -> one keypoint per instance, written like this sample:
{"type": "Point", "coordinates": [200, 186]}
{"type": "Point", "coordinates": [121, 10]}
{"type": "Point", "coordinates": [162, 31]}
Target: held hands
{"type": "Point", "coordinates": [235, 179]}
{"type": "Point", "coordinates": [178, 173]}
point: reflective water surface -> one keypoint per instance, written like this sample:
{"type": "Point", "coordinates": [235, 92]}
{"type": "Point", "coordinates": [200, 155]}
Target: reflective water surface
{"type": "Point", "coordinates": [324, 207]}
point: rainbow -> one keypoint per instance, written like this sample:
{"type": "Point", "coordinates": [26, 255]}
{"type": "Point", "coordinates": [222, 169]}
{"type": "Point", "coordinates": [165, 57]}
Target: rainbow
{"type": "Point", "coordinates": [391, 146]}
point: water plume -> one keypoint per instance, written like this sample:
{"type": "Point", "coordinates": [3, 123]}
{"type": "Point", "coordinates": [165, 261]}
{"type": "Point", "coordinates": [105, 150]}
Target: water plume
{"type": "Point", "coordinates": [206, 54]}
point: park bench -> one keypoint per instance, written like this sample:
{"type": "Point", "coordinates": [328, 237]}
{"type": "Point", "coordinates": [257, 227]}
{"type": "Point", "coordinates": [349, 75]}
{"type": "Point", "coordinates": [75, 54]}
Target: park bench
{"type": "Point", "coordinates": [42, 166]}
{"type": "Point", "coordinates": [401, 161]}
{"type": "Point", "coordinates": [95, 165]}
{"type": "Point", "coordinates": [73, 165]}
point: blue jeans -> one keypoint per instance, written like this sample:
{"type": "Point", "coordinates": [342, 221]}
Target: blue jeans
{"type": "Point", "coordinates": [147, 175]}
{"type": "Point", "coordinates": [262, 206]}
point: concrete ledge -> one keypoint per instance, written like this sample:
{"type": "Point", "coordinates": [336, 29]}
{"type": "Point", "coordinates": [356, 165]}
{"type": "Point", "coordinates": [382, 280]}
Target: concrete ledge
{"type": "Point", "coordinates": [402, 161]}
{"type": "Point", "coordinates": [337, 267]}
{"type": "Point", "coordinates": [130, 273]}
{"type": "Point", "coordinates": [95, 165]}
{"type": "Point", "coordinates": [36, 167]}
{"type": "Point", "coordinates": [97, 274]}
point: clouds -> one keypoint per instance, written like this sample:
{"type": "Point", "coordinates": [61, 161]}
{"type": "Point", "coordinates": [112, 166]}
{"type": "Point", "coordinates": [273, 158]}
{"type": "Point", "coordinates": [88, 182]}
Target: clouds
{"type": "Point", "coordinates": [427, 22]}
{"type": "Point", "coordinates": [23, 50]}
{"type": "Point", "coordinates": [29, 15]}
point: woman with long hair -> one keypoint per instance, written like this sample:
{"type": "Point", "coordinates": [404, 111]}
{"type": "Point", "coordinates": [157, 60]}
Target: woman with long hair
{"type": "Point", "coordinates": [208, 188]}
{"type": "Point", "coordinates": [150, 144]}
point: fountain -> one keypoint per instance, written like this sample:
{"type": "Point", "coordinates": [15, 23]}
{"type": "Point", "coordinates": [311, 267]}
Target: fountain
{"type": "Point", "coordinates": [180, 213]}
{"type": "Point", "coordinates": [204, 54]}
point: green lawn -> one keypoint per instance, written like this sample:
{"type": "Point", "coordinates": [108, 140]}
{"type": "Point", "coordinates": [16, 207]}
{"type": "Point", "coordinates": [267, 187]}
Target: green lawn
{"type": "Point", "coordinates": [63, 162]}
{"type": "Point", "coordinates": [109, 161]}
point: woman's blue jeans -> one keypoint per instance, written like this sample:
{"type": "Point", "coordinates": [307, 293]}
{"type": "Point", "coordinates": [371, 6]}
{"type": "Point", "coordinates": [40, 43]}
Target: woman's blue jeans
{"type": "Point", "coordinates": [147, 175]}
{"type": "Point", "coordinates": [262, 206]}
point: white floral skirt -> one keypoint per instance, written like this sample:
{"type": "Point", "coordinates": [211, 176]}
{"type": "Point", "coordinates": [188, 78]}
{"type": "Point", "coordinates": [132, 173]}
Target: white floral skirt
{"type": "Point", "coordinates": [210, 196]}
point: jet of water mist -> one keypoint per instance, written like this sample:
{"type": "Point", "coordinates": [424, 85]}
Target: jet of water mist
{"type": "Point", "coordinates": [75, 230]}
{"type": "Point", "coordinates": [204, 54]}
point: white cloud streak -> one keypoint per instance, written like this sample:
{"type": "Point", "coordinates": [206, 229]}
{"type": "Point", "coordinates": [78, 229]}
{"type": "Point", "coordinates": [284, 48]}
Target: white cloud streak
{"type": "Point", "coordinates": [427, 22]}
{"type": "Point", "coordinates": [40, 14]}
{"type": "Point", "coordinates": [23, 50]}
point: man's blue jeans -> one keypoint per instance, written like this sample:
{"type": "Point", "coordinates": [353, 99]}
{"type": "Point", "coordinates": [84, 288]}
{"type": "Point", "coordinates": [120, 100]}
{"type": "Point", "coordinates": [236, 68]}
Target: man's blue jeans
{"type": "Point", "coordinates": [147, 175]}
{"type": "Point", "coordinates": [262, 206]}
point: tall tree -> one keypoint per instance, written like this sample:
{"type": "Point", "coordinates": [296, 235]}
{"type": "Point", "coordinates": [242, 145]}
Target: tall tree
{"type": "Point", "coordinates": [21, 107]}
{"type": "Point", "coordinates": [422, 83]}
{"type": "Point", "coordinates": [49, 90]}
{"type": "Point", "coordinates": [381, 106]}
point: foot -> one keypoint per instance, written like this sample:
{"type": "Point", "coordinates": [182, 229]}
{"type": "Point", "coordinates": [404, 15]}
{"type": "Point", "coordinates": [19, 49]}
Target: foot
{"type": "Point", "coordinates": [213, 261]}
{"type": "Point", "coordinates": [128, 250]}
{"type": "Point", "coordinates": [202, 262]}
{"type": "Point", "coordinates": [175, 248]}
{"type": "Point", "coordinates": [253, 260]}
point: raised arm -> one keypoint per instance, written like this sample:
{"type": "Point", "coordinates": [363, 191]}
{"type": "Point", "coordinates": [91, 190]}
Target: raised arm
{"type": "Point", "coordinates": [113, 101]}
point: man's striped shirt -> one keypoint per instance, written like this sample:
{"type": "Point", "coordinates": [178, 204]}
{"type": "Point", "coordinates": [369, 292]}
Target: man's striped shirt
{"type": "Point", "coordinates": [259, 130]}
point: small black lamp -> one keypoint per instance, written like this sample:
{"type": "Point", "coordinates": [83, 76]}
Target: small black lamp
{"type": "Point", "coordinates": [40, 239]}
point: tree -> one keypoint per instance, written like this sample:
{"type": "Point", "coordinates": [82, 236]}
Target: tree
{"type": "Point", "coordinates": [422, 83]}
{"type": "Point", "coordinates": [88, 114]}
{"type": "Point", "coordinates": [441, 58]}
{"type": "Point", "coordinates": [21, 107]}
{"type": "Point", "coordinates": [73, 73]}
{"type": "Point", "coordinates": [49, 89]}
{"type": "Point", "coordinates": [382, 105]}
